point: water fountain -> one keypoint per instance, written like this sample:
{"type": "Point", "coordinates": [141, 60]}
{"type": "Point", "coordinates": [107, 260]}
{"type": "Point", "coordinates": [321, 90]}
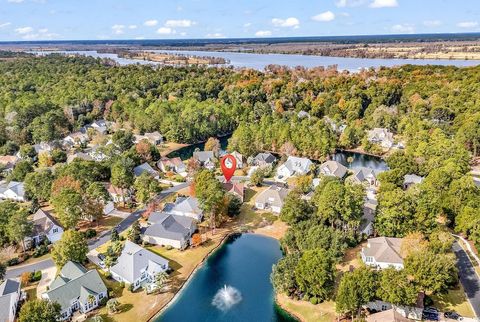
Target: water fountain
{"type": "Point", "coordinates": [226, 297]}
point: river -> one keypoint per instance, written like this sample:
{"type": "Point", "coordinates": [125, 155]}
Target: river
{"type": "Point", "coordinates": [233, 285]}
{"type": "Point", "coordinates": [260, 61]}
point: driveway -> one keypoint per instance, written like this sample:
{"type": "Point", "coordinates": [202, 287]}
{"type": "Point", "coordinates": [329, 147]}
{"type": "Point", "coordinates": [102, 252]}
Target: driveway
{"type": "Point", "coordinates": [48, 275]}
{"type": "Point", "coordinates": [468, 277]}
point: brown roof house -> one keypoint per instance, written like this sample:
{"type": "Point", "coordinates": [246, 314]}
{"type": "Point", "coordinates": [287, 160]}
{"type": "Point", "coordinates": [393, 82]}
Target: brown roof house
{"type": "Point", "coordinates": [235, 188]}
{"type": "Point", "coordinates": [383, 252]}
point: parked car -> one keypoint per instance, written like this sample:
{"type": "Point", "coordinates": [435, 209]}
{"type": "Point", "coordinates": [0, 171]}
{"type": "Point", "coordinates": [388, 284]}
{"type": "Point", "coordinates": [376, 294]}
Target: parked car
{"type": "Point", "coordinates": [430, 316]}
{"type": "Point", "coordinates": [101, 257]}
{"type": "Point", "coordinates": [453, 316]}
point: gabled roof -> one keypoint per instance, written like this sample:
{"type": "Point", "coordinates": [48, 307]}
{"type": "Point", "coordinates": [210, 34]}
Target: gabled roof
{"type": "Point", "coordinates": [298, 164]}
{"type": "Point", "coordinates": [362, 173]}
{"type": "Point", "coordinates": [203, 156]}
{"type": "Point", "coordinates": [173, 162]}
{"type": "Point", "coordinates": [9, 286]}
{"type": "Point", "coordinates": [169, 226]}
{"type": "Point", "coordinates": [236, 188]}
{"type": "Point", "coordinates": [384, 249]}
{"type": "Point", "coordinates": [144, 167]}
{"type": "Point", "coordinates": [380, 134]}
{"type": "Point", "coordinates": [273, 195]}
{"type": "Point", "coordinates": [14, 186]}
{"type": "Point", "coordinates": [9, 159]}
{"type": "Point", "coordinates": [69, 284]}
{"type": "Point", "coordinates": [134, 259]}
{"type": "Point", "coordinates": [43, 221]}
{"type": "Point", "coordinates": [333, 168]}
{"type": "Point", "coordinates": [412, 179]}
{"type": "Point", "coordinates": [265, 157]}
{"type": "Point", "coordinates": [187, 205]}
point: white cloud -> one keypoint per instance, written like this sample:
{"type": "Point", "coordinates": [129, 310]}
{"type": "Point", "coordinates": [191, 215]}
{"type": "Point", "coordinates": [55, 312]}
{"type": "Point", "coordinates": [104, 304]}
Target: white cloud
{"type": "Point", "coordinates": [118, 29]}
{"type": "Point", "coordinates": [215, 35]}
{"type": "Point", "coordinates": [432, 23]}
{"type": "Point", "coordinates": [246, 25]}
{"type": "Point", "coordinates": [6, 24]}
{"type": "Point", "coordinates": [132, 27]}
{"type": "Point", "coordinates": [23, 30]}
{"type": "Point", "coordinates": [324, 16]}
{"type": "Point", "coordinates": [150, 23]}
{"type": "Point", "coordinates": [15, 1]}
{"type": "Point", "coordinates": [289, 22]}
{"type": "Point", "coordinates": [263, 33]}
{"type": "Point", "coordinates": [183, 34]}
{"type": "Point", "coordinates": [404, 28]}
{"type": "Point", "coordinates": [43, 30]}
{"type": "Point", "coordinates": [384, 4]}
{"type": "Point", "coordinates": [165, 31]}
{"type": "Point", "coordinates": [349, 3]}
{"type": "Point", "coordinates": [182, 23]}
{"type": "Point", "coordinates": [467, 24]}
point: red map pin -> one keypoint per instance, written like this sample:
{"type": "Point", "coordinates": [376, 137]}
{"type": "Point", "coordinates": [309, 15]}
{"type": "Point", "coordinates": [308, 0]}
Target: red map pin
{"type": "Point", "coordinates": [228, 164]}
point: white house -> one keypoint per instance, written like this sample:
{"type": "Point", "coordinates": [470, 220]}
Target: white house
{"type": "Point", "coordinates": [76, 289]}
{"type": "Point", "coordinates": [381, 136]}
{"type": "Point", "coordinates": [185, 206]}
{"type": "Point", "coordinates": [9, 296]}
{"type": "Point", "coordinates": [45, 226]}
{"type": "Point", "coordinates": [138, 266]}
{"type": "Point", "coordinates": [118, 194]}
{"type": "Point", "coordinates": [238, 158]}
{"type": "Point", "coordinates": [383, 252]}
{"type": "Point", "coordinates": [76, 138]}
{"type": "Point", "coordinates": [263, 159]}
{"type": "Point", "coordinates": [205, 158]}
{"type": "Point", "coordinates": [293, 166]}
{"type": "Point", "coordinates": [272, 198]}
{"type": "Point", "coordinates": [411, 179]}
{"type": "Point", "coordinates": [169, 230]}
{"type": "Point", "coordinates": [174, 164]}
{"type": "Point", "coordinates": [12, 190]}
{"type": "Point", "coordinates": [365, 175]}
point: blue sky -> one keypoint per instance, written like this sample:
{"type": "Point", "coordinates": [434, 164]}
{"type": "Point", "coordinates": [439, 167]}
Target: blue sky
{"type": "Point", "coordinates": [164, 19]}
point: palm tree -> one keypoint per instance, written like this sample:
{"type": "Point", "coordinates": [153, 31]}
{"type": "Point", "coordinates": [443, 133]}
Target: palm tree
{"type": "Point", "coordinates": [161, 279]}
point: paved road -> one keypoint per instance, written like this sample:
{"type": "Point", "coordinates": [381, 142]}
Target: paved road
{"type": "Point", "coordinates": [468, 277]}
{"type": "Point", "coordinates": [123, 225]}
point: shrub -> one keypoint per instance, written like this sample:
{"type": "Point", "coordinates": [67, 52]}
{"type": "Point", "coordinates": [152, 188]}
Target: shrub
{"type": "Point", "coordinates": [314, 300]}
{"type": "Point", "coordinates": [40, 250]}
{"type": "Point", "coordinates": [35, 276]}
{"type": "Point", "coordinates": [130, 287]}
{"type": "Point", "coordinates": [169, 247]}
{"type": "Point", "coordinates": [108, 275]}
{"type": "Point", "coordinates": [13, 261]}
{"type": "Point", "coordinates": [90, 233]}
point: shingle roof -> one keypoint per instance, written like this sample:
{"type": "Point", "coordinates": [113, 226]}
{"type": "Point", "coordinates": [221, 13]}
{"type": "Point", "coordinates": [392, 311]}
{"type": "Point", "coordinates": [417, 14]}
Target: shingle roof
{"type": "Point", "coordinates": [9, 286]}
{"type": "Point", "coordinates": [333, 168]}
{"type": "Point", "coordinates": [203, 156]}
{"type": "Point", "coordinates": [361, 173]}
{"type": "Point", "coordinates": [133, 260]}
{"type": "Point", "coordinates": [412, 179]}
{"type": "Point", "coordinates": [43, 222]}
{"type": "Point", "coordinates": [9, 290]}
{"type": "Point", "coordinates": [277, 194]}
{"type": "Point", "coordinates": [144, 167]}
{"type": "Point", "coordinates": [187, 205]}
{"type": "Point", "coordinates": [14, 186]}
{"type": "Point", "coordinates": [384, 249]}
{"type": "Point", "coordinates": [265, 157]}
{"type": "Point", "coordinates": [69, 284]}
{"type": "Point", "coordinates": [169, 226]}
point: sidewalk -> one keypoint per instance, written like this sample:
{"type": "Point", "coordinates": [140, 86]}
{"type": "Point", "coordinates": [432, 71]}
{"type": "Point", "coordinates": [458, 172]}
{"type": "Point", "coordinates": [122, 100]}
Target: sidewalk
{"type": "Point", "coordinates": [48, 275]}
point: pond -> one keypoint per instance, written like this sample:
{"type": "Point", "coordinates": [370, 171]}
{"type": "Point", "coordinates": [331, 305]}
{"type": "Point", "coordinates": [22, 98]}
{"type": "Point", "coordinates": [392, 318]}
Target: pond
{"type": "Point", "coordinates": [358, 159]}
{"type": "Point", "coordinates": [233, 285]}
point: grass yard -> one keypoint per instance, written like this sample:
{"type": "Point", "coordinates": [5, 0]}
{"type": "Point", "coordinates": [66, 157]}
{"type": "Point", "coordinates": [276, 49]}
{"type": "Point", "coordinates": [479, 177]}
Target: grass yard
{"type": "Point", "coordinates": [454, 300]}
{"type": "Point", "coordinates": [306, 311]}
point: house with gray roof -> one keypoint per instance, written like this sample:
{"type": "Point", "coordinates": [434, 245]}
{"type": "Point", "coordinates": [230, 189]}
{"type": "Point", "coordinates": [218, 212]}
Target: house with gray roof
{"type": "Point", "coordinates": [185, 206]}
{"type": "Point", "coordinates": [365, 175]}
{"type": "Point", "coordinates": [381, 136]}
{"type": "Point", "coordinates": [264, 159]}
{"type": "Point", "coordinates": [271, 199]}
{"type": "Point", "coordinates": [138, 266]}
{"type": "Point", "coordinates": [238, 158]}
{"type": "Point", "coordinates": [145, 167]}
{"type": "Point", "coordinates": [45, 226]}
{"type": "Point", "coordinates": [9, 296]}
{"type": "Point", "coordinates": [293, 166]}
{"type": "Point", "coordinates": [76, 289]}
{"type": "Point", "coordinates": [383, 252]}
{"type": "Point", "coordinates": [12, 190]}
{"type": "Point", "coordinates": [169, 230]}
{"type": "Point", "coordinates": [410, 180]}
{"type": "Point", "coordinates": [205, 158]}
{"type": "Point", "coordinates": [333, 168]}
{"type": "Point", "coordinates": [154, 138]}
{"type": "Point", "coordinates": [172, 164]}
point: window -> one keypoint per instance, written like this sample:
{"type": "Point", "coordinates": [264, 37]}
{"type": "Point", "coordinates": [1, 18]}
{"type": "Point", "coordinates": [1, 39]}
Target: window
{"type": "Point", "coordinates": [100, 296]}
{"type": "Point", "coordinates": [55, 230]}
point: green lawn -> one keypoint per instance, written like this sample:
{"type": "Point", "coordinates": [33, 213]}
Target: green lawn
{"type": "Point", "coordinates": [454, 300]}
